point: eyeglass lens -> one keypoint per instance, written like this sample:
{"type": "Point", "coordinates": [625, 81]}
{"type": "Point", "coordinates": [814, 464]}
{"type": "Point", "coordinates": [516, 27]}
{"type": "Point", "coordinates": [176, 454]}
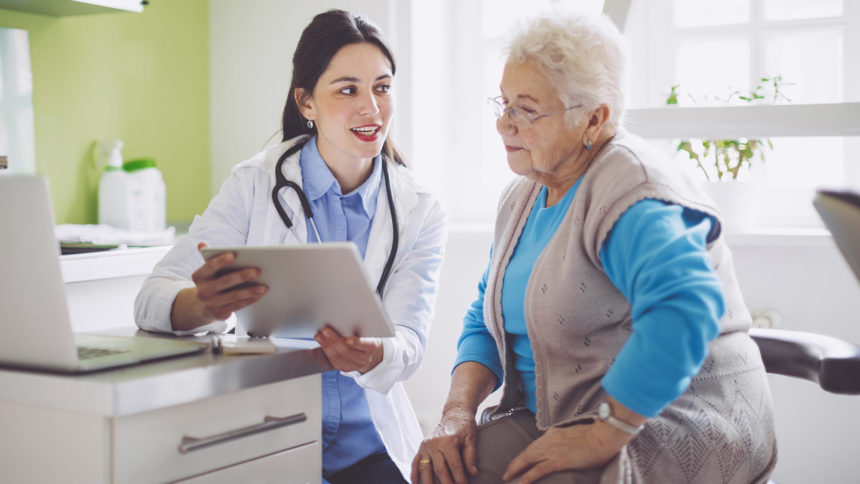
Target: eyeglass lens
{"type": "Point", "coordinates": [499, 110]}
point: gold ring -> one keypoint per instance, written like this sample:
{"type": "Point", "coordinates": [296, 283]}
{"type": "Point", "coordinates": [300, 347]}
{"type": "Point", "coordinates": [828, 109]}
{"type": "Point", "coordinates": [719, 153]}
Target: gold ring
{"type": "Point", "coordinates": [424, 461]}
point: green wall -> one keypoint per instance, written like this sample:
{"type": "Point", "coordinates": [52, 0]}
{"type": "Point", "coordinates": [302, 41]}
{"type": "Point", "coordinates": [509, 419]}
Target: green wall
{"type": "Point", "coordinates": [140, 77]}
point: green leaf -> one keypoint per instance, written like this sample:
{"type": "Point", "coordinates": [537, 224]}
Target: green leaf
{"type": "Point", "coordinates": [673, 95]}
{"type": "Point", "coordinates": [724, 158]}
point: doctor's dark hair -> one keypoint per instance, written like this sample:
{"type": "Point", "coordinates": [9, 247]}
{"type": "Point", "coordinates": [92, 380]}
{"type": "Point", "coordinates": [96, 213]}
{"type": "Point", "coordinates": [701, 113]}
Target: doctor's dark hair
{"type": "Point", "coordinates": [327, 33]}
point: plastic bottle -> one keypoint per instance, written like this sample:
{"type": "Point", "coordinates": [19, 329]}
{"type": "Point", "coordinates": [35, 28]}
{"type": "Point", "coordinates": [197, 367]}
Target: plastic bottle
{"type": "Point", "coordinates": [147, 194]}
{"type": "Point", "coordinates": [114, 189]}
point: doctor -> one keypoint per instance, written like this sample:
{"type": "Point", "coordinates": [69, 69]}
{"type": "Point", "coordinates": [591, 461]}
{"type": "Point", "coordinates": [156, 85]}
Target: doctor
{"type": "Point", "coordinates": [335, 154]}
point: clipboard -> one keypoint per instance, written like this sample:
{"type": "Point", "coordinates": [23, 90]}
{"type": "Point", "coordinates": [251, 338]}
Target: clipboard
{"type": "Point", "coordinates": [310, 286]}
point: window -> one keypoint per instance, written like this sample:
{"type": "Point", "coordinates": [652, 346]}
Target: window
{"type": "Point", "coordinates": [712, 47]}
{"type": "Point", "coordinates": [457, 52]}
{"type": "Point", "coordinates": [706, 46]}
{"type": "Point", "coordinates": [17, 139]}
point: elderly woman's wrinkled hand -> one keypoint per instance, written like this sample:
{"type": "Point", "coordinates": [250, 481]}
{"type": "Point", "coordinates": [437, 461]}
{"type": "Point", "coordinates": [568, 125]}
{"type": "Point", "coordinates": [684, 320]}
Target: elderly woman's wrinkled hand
{"type": "Point", "coordinates": [449, 454]}
{"type": "Point", "coordinates": [566, 448]}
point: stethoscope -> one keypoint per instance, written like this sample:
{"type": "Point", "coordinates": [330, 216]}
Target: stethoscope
{"type": "Point", "coordinates": [282, 182]}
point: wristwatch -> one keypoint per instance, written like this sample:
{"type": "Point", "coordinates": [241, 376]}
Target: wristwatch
{"type": "Point", "coordinates": [604, 411]}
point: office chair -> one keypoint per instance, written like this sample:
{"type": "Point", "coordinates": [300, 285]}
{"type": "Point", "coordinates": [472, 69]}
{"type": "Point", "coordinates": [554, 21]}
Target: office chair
{"type": "Point", "coordinates": [830, 362]}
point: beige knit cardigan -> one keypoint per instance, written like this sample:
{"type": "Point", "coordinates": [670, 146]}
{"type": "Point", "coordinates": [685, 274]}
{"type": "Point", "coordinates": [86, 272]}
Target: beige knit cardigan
{"type": "Point", "coordinates": [721, 428]}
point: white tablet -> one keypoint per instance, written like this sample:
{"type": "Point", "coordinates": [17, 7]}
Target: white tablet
{"type": "Point", "coordinates": [310, 286]}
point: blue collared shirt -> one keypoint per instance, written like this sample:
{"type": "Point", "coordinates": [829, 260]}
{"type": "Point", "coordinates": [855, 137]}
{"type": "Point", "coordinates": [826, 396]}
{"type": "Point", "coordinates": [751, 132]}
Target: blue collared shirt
{"type": "Point", "coordinates": [347, 430]}
{"type": "Point", "coordinates": [338, 217]}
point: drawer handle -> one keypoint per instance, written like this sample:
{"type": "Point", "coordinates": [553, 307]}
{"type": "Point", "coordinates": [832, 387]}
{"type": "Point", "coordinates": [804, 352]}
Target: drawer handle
{"type": "Point", "coordinates": [190, 444]}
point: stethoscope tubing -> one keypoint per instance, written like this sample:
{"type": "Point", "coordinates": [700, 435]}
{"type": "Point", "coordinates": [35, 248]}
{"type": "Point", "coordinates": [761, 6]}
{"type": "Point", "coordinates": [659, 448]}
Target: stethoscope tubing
{"type": "Point", "coordinates": [282, 182]}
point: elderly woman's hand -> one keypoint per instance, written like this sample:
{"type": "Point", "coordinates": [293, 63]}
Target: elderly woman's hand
{"type": "Point", "coordinates": [449, 454]}
{"type": "Point", "coordinates": [567, 448]}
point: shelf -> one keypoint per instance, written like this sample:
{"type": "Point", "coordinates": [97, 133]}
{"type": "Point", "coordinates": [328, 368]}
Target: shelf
{"type": "Point", "coordinates": [764, 121]}
{"type": "Point", "coordinates": [781, 237]}
{"type": "Point", "coordinates": [63, 8]}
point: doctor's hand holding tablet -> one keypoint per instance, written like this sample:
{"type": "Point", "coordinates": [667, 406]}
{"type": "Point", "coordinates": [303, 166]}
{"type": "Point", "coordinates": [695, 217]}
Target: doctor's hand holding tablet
{"type": "Point", "coordinates": [353, 353]}
{"type": "Point", "coordinates": [213, 296]}
{"type": "Point", "coordinates": [222, 293]}
{"type": "Point", "coordinates": [311, 298]}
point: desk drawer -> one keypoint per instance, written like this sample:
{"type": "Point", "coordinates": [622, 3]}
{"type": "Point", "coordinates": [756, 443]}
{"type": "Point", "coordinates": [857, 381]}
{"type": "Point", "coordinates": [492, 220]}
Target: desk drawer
{"type": "Point", "coordinates": [195, 438]}
{"type": "Point", "coordinates": [301, 465]}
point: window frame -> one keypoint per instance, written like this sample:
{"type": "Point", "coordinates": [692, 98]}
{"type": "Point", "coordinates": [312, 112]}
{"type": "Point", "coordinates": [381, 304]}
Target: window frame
{"type": "Point", "coordinates": [456, 166]}
{"type": "Point", "coordinates": [838, 119]}
{"type": "Point", "coordinates": [16, 107]}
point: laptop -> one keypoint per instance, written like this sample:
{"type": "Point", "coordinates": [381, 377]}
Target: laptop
{"type": "Point", "coordinates": [35, 327]}
{"type": "Point", "coordinates": [840, 211]}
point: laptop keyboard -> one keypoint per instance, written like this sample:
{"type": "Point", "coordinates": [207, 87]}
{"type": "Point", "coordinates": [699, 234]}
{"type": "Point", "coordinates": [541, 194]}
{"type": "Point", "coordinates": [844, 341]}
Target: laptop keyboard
{"type": "Point", "coordinates": [87, 352]}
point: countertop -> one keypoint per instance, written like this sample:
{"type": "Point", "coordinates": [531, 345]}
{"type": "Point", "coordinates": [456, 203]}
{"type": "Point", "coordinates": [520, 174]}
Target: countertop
{"type": "Point", "coordinates": [160, 384]}
{"type": "Point", "coordinates": [108, 264]}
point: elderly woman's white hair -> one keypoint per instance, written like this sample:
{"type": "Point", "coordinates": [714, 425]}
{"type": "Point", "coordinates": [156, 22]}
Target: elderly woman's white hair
{"type": "Point", "coordinates": [583, 55]}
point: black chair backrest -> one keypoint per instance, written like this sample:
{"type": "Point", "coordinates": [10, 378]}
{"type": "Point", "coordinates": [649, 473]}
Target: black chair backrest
{"type": "Point", "coordinates": [840, 211]}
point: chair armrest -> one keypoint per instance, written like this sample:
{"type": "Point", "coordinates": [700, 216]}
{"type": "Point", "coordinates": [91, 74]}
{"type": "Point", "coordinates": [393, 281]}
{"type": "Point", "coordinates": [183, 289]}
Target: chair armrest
{"type": "Point", "coordinates": [831, 362]}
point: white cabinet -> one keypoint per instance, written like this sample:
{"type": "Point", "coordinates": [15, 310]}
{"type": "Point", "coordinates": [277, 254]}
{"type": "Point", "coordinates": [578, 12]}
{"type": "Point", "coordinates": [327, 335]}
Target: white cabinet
{"type": "Point", "coordinates": [194, 438]}
{"type": "Point", "coordinates": [204, 418]}
{"type": "Point", "coordinates": [101, 286]}
{"type": "Point", "coordinates": [268, 433]}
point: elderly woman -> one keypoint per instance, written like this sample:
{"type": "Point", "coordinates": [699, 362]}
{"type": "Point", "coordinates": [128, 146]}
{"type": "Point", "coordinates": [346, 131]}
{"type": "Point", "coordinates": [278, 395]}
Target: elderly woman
{"type": "Point", "coordinates": [610, 309]}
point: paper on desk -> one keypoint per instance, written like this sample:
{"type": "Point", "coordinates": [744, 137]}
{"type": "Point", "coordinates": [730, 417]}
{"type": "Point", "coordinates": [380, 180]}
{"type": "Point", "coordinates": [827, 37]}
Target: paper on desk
{"type": "Point", "coordinates": [106, 235]}
{"type": "Point", "coordinates": [230, 344]}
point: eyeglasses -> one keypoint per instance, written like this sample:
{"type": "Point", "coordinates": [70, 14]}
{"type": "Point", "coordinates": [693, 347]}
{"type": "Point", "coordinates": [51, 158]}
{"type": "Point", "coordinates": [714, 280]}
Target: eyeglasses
{"type": "Point", "coordinates": [517, 115]}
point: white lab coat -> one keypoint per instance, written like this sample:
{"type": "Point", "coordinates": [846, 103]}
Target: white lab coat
{"type": "Point", "coordinates": [243, 214]}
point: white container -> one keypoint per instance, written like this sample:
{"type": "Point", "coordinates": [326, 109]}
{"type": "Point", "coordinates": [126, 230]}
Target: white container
{"type": "Point", "coordinates": [114, 188]}
{"type": "Point", "coordinates": [131, 194]}
{"type": "Point", "coordinates": [147, 195]}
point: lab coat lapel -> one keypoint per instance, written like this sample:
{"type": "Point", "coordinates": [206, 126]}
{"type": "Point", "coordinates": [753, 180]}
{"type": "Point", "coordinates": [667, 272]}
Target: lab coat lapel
{"type": "Point", "coordinates": [380, 239]}
{"type": "Point", "coordinates": [289, 199]}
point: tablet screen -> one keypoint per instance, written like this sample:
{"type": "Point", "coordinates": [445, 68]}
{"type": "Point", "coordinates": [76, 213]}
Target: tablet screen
{"type": "Point", "coordinates": [310, 286]}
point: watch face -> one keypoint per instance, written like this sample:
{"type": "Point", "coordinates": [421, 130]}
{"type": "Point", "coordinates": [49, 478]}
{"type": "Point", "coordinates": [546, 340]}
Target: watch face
{"type": "Point", "coordinates": [603, 411]}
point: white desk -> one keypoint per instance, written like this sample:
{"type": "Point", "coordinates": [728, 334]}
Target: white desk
{"type": "Point", "coordinates": [200, 419]}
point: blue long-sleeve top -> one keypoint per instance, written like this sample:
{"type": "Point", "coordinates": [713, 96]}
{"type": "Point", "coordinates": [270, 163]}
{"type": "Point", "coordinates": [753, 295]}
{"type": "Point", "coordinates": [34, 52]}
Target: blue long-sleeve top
{"type": "Point", "coordinates": [656, 256]}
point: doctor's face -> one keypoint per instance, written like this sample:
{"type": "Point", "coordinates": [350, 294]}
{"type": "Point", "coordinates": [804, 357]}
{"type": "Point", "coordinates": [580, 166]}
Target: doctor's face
{"type": "Point", "coordinates": [352, 104]}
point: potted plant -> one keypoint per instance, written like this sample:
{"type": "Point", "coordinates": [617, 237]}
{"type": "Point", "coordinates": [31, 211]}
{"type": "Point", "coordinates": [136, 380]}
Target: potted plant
{"type": "Point", "coordinates": [725, 162]}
